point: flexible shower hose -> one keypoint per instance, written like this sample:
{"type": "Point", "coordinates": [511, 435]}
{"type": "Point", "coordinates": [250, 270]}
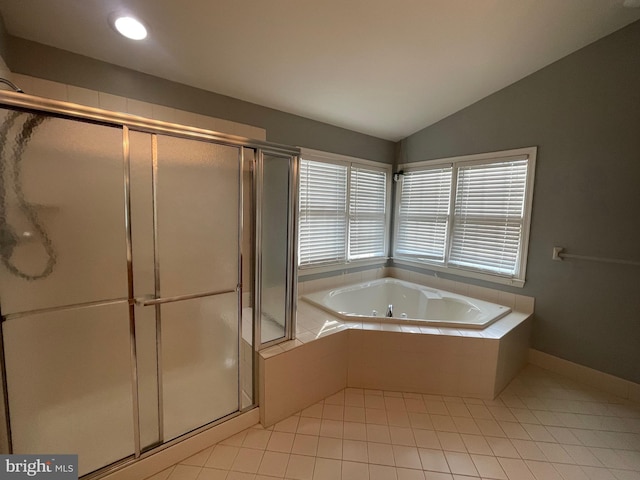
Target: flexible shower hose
{"type": "Point", "coordinates": [8, 238]}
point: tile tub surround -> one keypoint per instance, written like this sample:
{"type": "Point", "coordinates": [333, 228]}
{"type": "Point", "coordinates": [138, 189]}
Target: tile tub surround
{"type": "Point", "coordinates": [543, 426]}
{"type": "Point", "coordinates": [436, 363]}
{"type": "Point", "coordinates": [446, 361]}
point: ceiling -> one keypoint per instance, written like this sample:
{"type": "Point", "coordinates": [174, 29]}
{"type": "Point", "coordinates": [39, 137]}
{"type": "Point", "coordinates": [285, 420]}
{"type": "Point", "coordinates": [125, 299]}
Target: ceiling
{"type": "Point", "coordinates": [382, 67]}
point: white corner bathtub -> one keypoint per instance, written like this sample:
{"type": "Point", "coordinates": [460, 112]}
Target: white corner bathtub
{"type": "Point", "coordinates": [411, 303]}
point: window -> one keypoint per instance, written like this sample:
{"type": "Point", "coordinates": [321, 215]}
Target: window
{"type": "Point", "coordinates": [323, 213]}
{"type": "Point", "coordinates": [367, 213]}
{"type": "Point", "coordinates": [343, 210]}
{"type": "Point", "coordinates": [423, 214]}
{"type": "Point", "coordinates": [470, 214]}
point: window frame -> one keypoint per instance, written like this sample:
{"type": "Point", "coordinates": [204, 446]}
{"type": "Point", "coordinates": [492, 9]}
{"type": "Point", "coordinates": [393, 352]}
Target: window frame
{"type": "Point", "coordinates": [517, 280]}
{"type": "Point", "coordinates": [347, 161]}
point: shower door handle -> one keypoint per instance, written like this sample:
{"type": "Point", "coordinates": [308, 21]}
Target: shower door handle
{"type": "Point", "coordinates": [146, 302]}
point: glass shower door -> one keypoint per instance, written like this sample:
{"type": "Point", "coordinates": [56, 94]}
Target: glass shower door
{"type": "Point", "coordinates": [121, 281]}
{"type": "Point", "coordinates": [187, 271]}
{"type": "Point", "coordinates": [63, 288]}
{"type": "Point", "coordinates": [276, 266]}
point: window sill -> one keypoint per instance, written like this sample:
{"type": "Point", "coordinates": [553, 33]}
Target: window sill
{"type": "Point", "coordinates": [487, 277]}
{"type": "Point", "coordinates": [341, 267]}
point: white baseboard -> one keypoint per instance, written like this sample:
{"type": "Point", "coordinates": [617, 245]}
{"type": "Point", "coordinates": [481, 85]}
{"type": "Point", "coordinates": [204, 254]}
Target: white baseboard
{"type": "Point", "coordinates": [600, 380]}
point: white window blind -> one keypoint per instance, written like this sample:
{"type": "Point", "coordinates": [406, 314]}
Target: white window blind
{"type": "Point", "coordinates": [323, 213]}
{"type": "Point", "coordinates": [423, 213]}
{"type": "Point", "coordinates": [367, 212]}
{"type": "Point", "coordinates": [469, 214]}
{"type": "Point", "coordinates": [488, 216]}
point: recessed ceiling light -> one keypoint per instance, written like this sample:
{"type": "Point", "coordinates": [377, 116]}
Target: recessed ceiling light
{"type": "Point", "coordinates": [130, 28]}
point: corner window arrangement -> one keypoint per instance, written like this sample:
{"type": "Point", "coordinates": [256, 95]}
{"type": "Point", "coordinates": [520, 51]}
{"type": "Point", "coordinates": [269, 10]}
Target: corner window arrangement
{"type": "Point", "coordinates": [343, 216]}
{"type": "Point", "coordinates": [469, 214]}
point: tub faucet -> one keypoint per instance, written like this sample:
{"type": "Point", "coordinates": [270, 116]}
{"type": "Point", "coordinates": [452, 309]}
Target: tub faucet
{"type": "Point", "coordinates": [390, 311]}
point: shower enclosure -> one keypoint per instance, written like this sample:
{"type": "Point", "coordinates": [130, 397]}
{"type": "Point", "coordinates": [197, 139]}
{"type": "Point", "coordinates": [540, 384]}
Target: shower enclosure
{"type": "Point", "coordinates": [142, 265]}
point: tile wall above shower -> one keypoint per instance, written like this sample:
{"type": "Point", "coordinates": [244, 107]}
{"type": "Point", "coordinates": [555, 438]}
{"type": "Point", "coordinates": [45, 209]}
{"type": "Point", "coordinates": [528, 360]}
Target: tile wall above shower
{"type": "Point", "coordinates": [93, 98]}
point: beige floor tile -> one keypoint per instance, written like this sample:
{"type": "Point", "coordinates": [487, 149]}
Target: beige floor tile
{"type": "Point", "coordinates": [543, 470]}
{"type": "Point", "coordinates": [460, 463]}
{"type": "Point", "coordinates": [309, 426]}
{"type": "Point", "coordinates": [528, 450]}
{"type": "Point", "coordinates": [437, 476]}
{"type": "Point", "coordinates": [355, 431]}
{"type": "Point", "coordinates": [502, 447]}
{"type": "Point", "coordinates": [329, 448]}
{"type": "Point", "coordinates": [466, 425]}
{"type": "Point", "coordinates": [402, 436]}
{"type": "Point", "coordinates": [433, 460]}
{"type": "Point", "coordinates": [406, 457]}
{"type": "Point", "coordinates": [378, 433]}
{"type": "Point", "coordinates": [451, 442]}
{"type": "Point", "coordinates": [490, 428]}
{"type": "Point", "coordinates": [314, 411]}
{"type": "Point", "coordinates": [300, 467]}
{"type": "Point", "coordinates": [212, 474]}
{"type": "Point", "coordinates": [355, 470]}
{"type": "Point", "coordinates": [240, 476]}
{"type": "Point", "coordinates": [515, 469]}
{"type": "Point", "coordinates": [476, 444]}
{"type": "Point", "coordinates": [355, 450]}
{"type": "Point", "coordinates": [327, 469]}
{"type": "Point", "coordinates": [382, 472]}
{"type": "Point", "coordinates": [354, 414]}
{"type": "Point", "coordinates": [426, 439]}
{"type": "Point", "coordinates": [380, 453]}
{"type": "Point", "coordinates": [288, 425]}
{"type": "Point", "coordinates": [280, 442]}
{"type": "Point", "coordinates": [333, 412]}
{"type": "Point", "coordinates": [305, 445]}
{"type": "Point", "coordinates": [274, 464]}
{"type": "Point", "coordinates": [539, 433]}
{"type": "Point", "coordinates": [514, 430]}
{"type": "Point", "coordinates": [555, 453]}
{"type": "Point", "coordinates": [184, 472]}
{"type": "Point", "coordinates": [409, 474]}
{"type": "Point", "coordinates": [398, 418]}
{"type": "Point", "coordinates": [542, 427]}
{"type": "Point", "coordinates": [256, 439]}
{"type": "Point", "coordinates": [570, 472]}
{"type": "Point", "coordinates": [222, 457]}
{"type": "Point", "coordinates": [374, 401]}
{"type": "Point", "coordinates": [247, 461]}
{"type": "Point", "coordinates": [331, 428]}
{"type": "Point", "coordinates": [395, 403]}
{"type": "Point", "coordinates": [456, 409]}
{"type": "Point", "coordinates": [488, 467]}
{"type": "Point", "coordinates": [415, 405]}
{"type": "Point", "coordinates": [376, 416]}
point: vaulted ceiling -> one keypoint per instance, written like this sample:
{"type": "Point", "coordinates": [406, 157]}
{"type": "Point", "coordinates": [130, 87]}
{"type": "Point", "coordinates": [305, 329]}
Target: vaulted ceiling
{"type": "Point", "coordinates": [381, 67]}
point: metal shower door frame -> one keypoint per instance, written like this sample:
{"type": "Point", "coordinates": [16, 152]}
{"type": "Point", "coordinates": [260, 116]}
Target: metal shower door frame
{"type": "Point", "coordinates": [291, 294]}
{"type": "Point", "coordinates": [130, 122]}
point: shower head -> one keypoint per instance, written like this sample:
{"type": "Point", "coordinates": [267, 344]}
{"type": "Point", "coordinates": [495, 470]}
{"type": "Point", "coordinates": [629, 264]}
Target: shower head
{"type": "Point", "coordinates": [12, 85]}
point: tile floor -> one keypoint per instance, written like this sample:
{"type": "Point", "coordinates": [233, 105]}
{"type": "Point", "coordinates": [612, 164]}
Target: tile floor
{"type": "Point", "coordinates": [542, 427]}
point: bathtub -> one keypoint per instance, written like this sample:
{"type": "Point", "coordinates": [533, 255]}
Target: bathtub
{"type": "Point", "coordinates": [409, 303]}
